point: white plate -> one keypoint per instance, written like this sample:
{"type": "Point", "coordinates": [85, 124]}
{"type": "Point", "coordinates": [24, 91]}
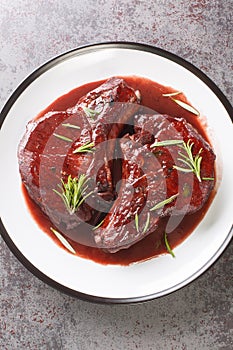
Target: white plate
{"type": "Point", "coordinates": [84, 278]}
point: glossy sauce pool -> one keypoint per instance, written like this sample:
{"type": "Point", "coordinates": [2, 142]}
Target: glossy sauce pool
{"type": "Point", "coordinates": [153, 245]}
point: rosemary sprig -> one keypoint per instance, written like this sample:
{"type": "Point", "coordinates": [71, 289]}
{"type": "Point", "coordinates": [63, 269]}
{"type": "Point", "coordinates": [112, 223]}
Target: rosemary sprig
{"type": "Point", "coordinates": [136, 220]}
{"type": "Point", "coordinates": [63, 240]}
{"type": "Point", "coordinates": [172, 94]}
{"type": "Point", "coordinates": [68, 125]}
{"type": "Point", "coordinates": [193, 163]}
{"type": "Point", "coordinates": [90, 112]}
{"type": "Point", "coordinates": [166, 143]}
{"type": "Point", "coordinates": [166, 201]}
{"type": "Point", "coordinates": [64, 138]}
{"type": "Point", "coordinates": [87, 147]}
{"type": "Point", "coordinates": [186, 106]}
{"type": "Point", "coordinates": [72, 192]}
{"type": "Point", "coordinates": [170, 251]}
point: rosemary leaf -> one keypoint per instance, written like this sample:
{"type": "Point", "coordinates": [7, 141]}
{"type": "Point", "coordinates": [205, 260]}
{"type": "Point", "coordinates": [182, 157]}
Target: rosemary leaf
{"type": "Point", "coordinates": [85, 197]}
{"type": "Point", "coordinates": [170, 251]}
{"type": "Point", "coordinates": [197, 162]}
{"type": "Point", "coordinates": [58, 193]}
{"type": "Point", "coordinates": [64, 138]}
{"type": "Point", "coordinates": [166, 143]}
{"type": "Point", "coordinates": [184, 170]}
{"type": "Point", "coordinates": [186, 106]}
{"type": "Point", "coordinates": [87, 147]}
{"type": "Point", "coordinates": [90, 112]}
{"type": "Point", "coordinates": [172, 94]}
{"type": "Point", "coordinates": [136, 222]}
{"type": "Point", "coordinates": [186, 161]}
{"type": "Point", "coordinates": [208, 178]}
{"type": "Point", "coordinates": [63, 240]}
{"type": "Point", "coordinates": [68, 125]}
{"type": "Point", "coordinates": [147, 223]}
{"type": "Point", "coordinates": [166, 201]}
{"type": "Point", "coordinates": [97, 226]}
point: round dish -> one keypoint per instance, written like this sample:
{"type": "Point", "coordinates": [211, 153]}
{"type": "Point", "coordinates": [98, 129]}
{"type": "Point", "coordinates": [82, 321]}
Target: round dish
{"type": "Point", "coordinates": [84, 278]}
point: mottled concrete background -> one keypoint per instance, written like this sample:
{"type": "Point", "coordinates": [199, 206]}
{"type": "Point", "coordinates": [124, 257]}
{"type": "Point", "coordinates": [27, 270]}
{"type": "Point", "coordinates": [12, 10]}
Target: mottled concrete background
{"type": "Point", "coordinates": [33, 315]}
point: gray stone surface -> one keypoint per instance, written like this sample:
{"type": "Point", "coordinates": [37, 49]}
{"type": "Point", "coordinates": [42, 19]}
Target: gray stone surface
{"type": "Point", "coordinates": [32, 314]}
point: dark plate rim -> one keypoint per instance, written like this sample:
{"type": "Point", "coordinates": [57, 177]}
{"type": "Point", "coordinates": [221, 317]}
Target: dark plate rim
{"type": "Point", "coordinates": [80, 51]}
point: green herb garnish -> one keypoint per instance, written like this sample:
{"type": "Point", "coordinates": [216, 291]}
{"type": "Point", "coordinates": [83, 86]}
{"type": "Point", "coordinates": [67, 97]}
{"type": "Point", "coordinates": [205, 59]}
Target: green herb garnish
{"type": "Point", "coordinates": [181, 103]}
{"type": "Point", "coordinates": [166, 143]}
{"type": "Point", "coordinates": [87, 147]}
{"type": "Point", "coordinates": [97, 226]}
{"type": "Point", "coordinates": [147, 223]}
{"type": "Point", "coordinates": [186, 106]}
{"type": "Point", "coordinates": [136, 220]}
{"type": "Point", "coordinates": [166, 201]}
{"type": "Point", "coordinates": [63, 240]}
{"type": "Point", "coordinates": [208, 178]}
{"type": "Point", "coordinates": [73, 192]}
{"type": "Point", "coordinates": [193, 163]}
{"type": "Point", "coordinates": [68, 125]}
{"type": "Point", "coordinates": [170, 251]}
{"type": "Point", "coordinates": [186, 190]}
{"type": "Point", "coordinates": [172, 94]}
{"type": "Point", "coordinates": [64, 138]}
{"type": "Point", "coordinates": [90, 112]}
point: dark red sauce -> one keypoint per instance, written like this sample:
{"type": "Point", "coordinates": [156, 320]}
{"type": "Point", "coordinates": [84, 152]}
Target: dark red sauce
{"type": "Point", "coordinates": [152, 245]}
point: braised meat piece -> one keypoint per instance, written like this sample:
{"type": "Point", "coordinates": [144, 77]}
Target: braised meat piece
{"type": "Point", "coordinates": [157, 179]}
{"type": "Point", "coordinates": [46, 155]}
{"type": "Point", "coordinates": [113, 90]}
{"type": "Point", "coordinates": [176, 160]}
{"type": "Point", "coordinates": [41, 157]}
{"type": "Point", "coordinates": [129, 219]}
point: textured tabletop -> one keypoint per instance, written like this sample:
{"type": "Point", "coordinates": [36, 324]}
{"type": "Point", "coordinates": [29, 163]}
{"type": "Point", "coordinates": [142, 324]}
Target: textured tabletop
{"type": "Point", "coordinates": [32, 314]}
